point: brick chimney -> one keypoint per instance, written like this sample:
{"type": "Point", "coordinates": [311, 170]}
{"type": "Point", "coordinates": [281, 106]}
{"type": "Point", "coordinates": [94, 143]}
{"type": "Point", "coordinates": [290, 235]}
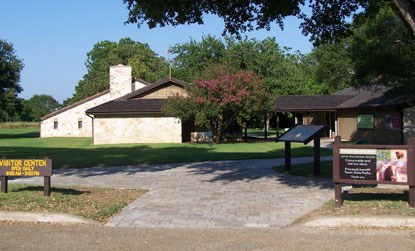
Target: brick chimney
{"type": "Point", "coordinates": [120, 81]}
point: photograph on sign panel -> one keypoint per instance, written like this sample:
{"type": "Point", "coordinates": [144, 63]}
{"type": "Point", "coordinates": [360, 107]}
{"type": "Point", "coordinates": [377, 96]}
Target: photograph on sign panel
{"type": "Point", "coordinates": [391, 165]}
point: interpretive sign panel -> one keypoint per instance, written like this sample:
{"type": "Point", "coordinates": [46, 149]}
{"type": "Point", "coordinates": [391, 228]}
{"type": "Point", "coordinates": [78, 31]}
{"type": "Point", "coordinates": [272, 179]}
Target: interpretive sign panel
{"type": "Point", "coordinates": [301, 133]}
{"type": "Point", "coordinates": [373, 164]}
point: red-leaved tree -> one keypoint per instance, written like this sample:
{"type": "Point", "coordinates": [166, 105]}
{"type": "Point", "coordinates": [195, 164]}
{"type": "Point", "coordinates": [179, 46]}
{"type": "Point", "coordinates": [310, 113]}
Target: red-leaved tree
{"type": "Point", "coordinates": [220, 102]}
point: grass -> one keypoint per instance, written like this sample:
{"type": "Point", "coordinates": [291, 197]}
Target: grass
{"type": "Point", "coordinates": [79, 153]}
{"type": "Point", "coordinates": [357, 201]}
{"type": "Point", "coordinates": [11, 125]}
{"type": "Point", "coordinates": [98, 204]}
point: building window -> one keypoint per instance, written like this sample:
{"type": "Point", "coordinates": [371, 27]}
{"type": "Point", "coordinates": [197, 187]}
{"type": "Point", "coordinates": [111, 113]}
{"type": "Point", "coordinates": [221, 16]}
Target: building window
{"type": "Point", "coordinates": [55, 124]}
{"type": "Point", "coordinates": [79, 124]}
{"type": "Point", "coordinates": [365, 121]}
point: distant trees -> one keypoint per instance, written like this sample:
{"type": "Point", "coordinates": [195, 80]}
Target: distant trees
{"type": "Point", "coordinates": [38, 106]}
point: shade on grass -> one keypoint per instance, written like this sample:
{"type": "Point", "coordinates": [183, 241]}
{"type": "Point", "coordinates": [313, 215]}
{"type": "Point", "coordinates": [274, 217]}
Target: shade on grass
{"type": "Point", "coordinates": [78, 152]}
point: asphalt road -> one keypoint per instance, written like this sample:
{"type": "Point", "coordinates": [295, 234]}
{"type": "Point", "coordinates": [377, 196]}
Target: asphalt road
{"type": "Point", "coordinates": [36, 236]}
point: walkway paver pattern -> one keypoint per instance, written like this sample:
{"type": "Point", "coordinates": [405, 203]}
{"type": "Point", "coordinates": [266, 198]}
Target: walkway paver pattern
{"type": "Point", "coordinates": [223, 194]}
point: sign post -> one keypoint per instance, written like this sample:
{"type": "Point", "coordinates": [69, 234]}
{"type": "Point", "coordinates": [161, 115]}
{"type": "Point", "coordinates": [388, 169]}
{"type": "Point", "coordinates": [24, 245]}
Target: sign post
{"type": "Point", "coordinates": [373, 164]}
{"type": "Point", "coordinates": [28, 168]}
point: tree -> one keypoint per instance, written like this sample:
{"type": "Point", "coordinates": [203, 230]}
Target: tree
{"type": "Point", "coordinates": [10, 69]}
{"type": "Point", "coordinates": [218, 103]}
{"type": "Point", "coordinates": [331, 66]}
{"type": "Point", "coordinates": [11, 106]}
{"type": "Point", "coordinates": [382, 50]}
{"type": "Point", "coordinates": [327, 22]}
{"type": "Point", "coordinates": [38, 106]}
{"type": "Point", "coordinates": [145, 64]}
{"type": "Point", "coordinates": [192, 58]}
{"type": "Point", "coordinates": [282, 72]}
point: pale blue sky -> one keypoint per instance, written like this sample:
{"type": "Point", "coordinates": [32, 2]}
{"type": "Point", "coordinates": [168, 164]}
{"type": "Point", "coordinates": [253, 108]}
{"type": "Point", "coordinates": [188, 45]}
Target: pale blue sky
{"type": "Point", "coordinates": [53, 37]}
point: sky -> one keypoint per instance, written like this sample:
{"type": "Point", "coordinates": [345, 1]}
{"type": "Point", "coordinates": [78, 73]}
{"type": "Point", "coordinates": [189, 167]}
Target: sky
{"type": "Point", "coordinates": [53, 37]}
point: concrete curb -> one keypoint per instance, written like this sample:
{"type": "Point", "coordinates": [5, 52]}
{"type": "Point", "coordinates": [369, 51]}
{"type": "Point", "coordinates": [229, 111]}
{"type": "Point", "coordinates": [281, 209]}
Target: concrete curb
{"type": "Point", "coordinates": [367, 221]}
{"type": "Point", "coordinates": [44, 217]}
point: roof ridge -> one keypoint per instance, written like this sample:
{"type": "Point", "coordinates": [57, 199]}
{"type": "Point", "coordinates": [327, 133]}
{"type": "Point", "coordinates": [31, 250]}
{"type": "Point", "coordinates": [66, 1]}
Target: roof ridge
{"type": "Point", "coordinates": [63, 109]}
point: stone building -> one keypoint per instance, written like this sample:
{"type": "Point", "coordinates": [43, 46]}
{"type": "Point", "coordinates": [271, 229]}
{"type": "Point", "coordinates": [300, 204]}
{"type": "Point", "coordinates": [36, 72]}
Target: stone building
{"type": "Point", "coordinates": [129, 112]}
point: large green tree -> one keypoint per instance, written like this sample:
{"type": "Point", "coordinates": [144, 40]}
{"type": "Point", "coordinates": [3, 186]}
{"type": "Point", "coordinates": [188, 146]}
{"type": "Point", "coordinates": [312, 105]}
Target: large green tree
{"type": "Point", "coordinates": [192, 58]}
{"type": "Point", "coordinates": [383, 50]}
{"type": "Point", "coordinates": [330, 65]}
{"type": "Point", "coordinates": [145, 63]}
{"type": "Point", "coordinates": [10, 69]}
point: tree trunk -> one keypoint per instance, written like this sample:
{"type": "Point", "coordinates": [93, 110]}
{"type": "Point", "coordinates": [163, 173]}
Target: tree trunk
{"type": "Point", "coordinates": [406, 10]}
{"type": "Point", "coordinates": [265, 127]}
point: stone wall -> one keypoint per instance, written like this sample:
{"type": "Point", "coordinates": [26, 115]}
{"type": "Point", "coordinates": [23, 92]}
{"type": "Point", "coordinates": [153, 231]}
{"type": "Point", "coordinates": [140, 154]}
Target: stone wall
{"type": "Point", "coordinates": [136, 129]}
{"type": "Point", "coordinates": [68, 120]}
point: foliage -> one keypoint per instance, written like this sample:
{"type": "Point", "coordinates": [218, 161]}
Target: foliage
{"type": "Point", "coordinates": [192, 58]}
{"type": "Point", "coordinates": [10, 68]}
{"type": "Point", "coordinates": [145, 63]}
{"type": "Point", "coordinates": [331, 66]}
{"type": "Point", "coordinates": [282, 72]}
{"type": "Point", "coordinates": [11, 106]}
{"type": "Point", "coordinates": [38, 106]}
{"type": "Point", "coordinates": [218, 103]}
{"type": "Point", "coordinates": [328, 19]}
{"type": "Point", "coordinates": [383, 50]}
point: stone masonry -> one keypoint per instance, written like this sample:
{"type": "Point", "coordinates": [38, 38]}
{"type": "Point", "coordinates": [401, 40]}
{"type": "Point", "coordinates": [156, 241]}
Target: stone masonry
{"type": "Point", "coordinates": [137, 129]}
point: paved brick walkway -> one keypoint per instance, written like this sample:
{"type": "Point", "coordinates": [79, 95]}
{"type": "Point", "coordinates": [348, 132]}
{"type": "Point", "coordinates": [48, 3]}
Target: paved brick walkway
{"type": "Point", "coordinates": [224, 194]}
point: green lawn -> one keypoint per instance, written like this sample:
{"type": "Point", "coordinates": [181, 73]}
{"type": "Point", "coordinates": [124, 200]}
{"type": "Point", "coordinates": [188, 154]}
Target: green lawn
{"type": "Point", "coordinates": [78, 152]}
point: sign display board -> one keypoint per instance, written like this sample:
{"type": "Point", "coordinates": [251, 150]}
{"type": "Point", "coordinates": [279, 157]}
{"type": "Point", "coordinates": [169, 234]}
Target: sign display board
{"type": "Point", "coordinates": [301, 133]}
{"type": "Point", "coordinates": [373, 164]}
{"type": "Point", "coordinates": [25, 167]}
{"type": "Point", "coordinates": [385, 165]}
{"type": "Point", "coordinates": [358, 165]}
